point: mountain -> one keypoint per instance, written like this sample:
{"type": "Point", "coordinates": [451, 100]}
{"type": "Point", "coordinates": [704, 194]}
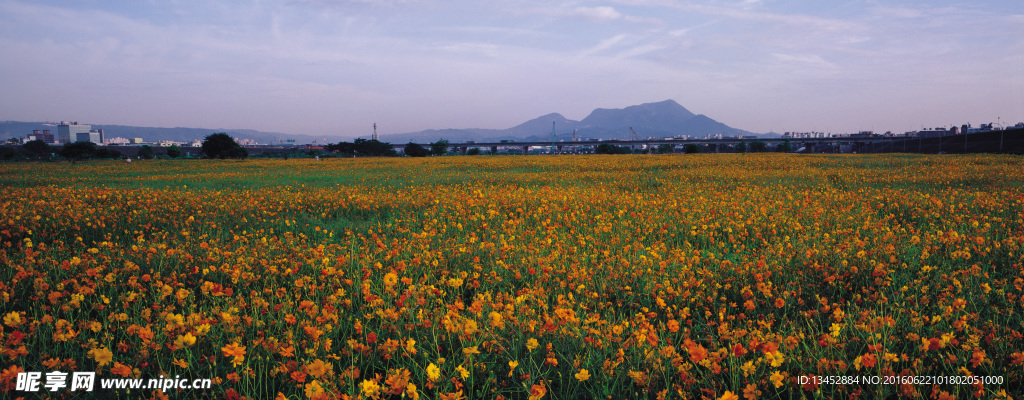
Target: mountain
{"type": "Point", "coordinates": [662, 119]}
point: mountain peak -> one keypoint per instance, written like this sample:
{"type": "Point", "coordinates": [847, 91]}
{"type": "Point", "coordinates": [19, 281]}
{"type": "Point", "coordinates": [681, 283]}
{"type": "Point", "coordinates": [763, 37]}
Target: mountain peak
{"type": "Point", "coordinates": [664, 115]}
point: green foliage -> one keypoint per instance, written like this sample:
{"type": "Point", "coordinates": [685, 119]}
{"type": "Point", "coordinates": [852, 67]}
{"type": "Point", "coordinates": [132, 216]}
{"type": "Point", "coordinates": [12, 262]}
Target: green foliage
{"type": "Point", "coordinates": [145, 152]}
{"type": "Point", "coordinates": [742, 146]}
{"type": "Point", "coordinates": [416, 150]}
{"type": "Point", "coordinates": [78, 150]}
{"type": "Point", "coordinates": [473, 152]}
{"type": "Point", "coordinates": [665, 148]}
{"type": "Point", "coordinates": [8, 153]}
{"type": "Point", "coordinates": [691, 148]}
{"type": "Point", "coordinates": [608, 148]}
{"type": "Point", "coordinates": [221, 145]}
{"type": "Point", "coordinates": [174, 151]}
{"type": "Point", "coordinates": [363, 147]}
{"type": "Point", "coordinates": [758, 146]}
{"type": "Point", "coordinates": [439, 147]}
{"type": "Point", "coordinates": [785, 147]}
{"type": "Point", "coordinates": [37, 147]}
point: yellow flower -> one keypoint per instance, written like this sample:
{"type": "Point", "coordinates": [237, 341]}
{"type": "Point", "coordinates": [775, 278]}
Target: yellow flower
{"type": "Point", "coordinates": [184, 341]}
{"type": "Point", "coordinates": [433, 372]}
{"type": "Point", "coordinates": [463, 372]}
{"type": "Point", "coordinates": [410, 346]}
{"type": "Point", "coordinates": [496, 320]}
{"type": "Point", "coordinates": [12, 319]}
{"type": "Point", "coordinates": [583, 375]}
{"type": "Point", "coordinates": [777, 378]}
{"type": "Point", "coordinates": [532, 344]}
{"type": "Point", "coordinates": [470, 327]}
{"type": "Point", "coordinates": [390, 280]}
{"type": "Point", "coordinates": [102, 355]}
{"type": "Point", "coordinates": [748, 368]}
{"type": "Point", "coordinates": [470, 351]}
{"type": "Point", "coordinates": [180, 363]}
{"type": "Point", "coordinates": [410, 392]}
{"type": "Point", "coordinates": [512, 366]}
{"type": "Point", "coordinates": [729, 395]}
{"type": "Point", "coordinates": [314, 390]}
{"type": "Point", "coordinates": [370, 389]}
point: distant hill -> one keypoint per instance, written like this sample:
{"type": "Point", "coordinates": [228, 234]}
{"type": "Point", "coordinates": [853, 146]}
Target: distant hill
{"type": "Point", "coordinates": [662, 119]}
{"type": "Point", "coordinates": [17, 129]}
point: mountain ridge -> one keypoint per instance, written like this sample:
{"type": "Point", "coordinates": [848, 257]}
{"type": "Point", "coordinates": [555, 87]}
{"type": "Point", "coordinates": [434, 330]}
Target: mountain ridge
{"type": "Point", "coordinates": [665, 118]}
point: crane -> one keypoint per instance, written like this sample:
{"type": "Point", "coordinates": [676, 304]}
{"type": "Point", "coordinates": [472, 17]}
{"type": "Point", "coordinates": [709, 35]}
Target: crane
{"type": "Point", "coordinates": [635, 136]}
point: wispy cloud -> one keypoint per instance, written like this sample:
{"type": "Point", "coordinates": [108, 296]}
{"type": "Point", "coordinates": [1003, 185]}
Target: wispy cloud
{"type": "Point", "coordinates": [298, 65]}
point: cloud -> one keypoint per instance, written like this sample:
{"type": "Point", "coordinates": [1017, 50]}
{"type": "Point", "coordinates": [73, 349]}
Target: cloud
{"type": "Point", "coordinates": [604, 45]}
{"type": "Point", "coordinates": [599, 14]}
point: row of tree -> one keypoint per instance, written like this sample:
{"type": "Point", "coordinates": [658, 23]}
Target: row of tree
{"type": "Point", "coordinates": [222, 145]}
{"type": "Point", "coordinates": [217, 145]}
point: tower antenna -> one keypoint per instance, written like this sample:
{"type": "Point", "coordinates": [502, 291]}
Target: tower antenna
{"type": "Point", "coordinates": [374, 131]}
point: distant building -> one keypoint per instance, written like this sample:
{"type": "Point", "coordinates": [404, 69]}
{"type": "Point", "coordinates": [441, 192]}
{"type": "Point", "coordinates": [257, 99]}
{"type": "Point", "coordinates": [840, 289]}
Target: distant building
{"type": "Point", "coordinates": [118, 140]}
{"type": "Point", "coordinates": [983, 128]}
{"type": "Point", "coordinates": [67, 132]}
{"type": "Point", "coordinates": [137, 140]}
{"type": "Point", "coordinates": [936, 132]}
{"type": "Point", "coordinates": [94, 135]}
{"type": "Point", "coordinates": [43, 135]}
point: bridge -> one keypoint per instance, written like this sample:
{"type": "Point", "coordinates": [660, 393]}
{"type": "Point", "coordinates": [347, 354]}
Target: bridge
{"type": "Point", "coordinates": [1009, 140]}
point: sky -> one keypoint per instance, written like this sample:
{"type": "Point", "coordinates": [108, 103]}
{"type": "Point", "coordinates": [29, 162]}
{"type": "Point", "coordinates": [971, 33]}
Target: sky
{"type": "Point", "coordinates": [336, 67]}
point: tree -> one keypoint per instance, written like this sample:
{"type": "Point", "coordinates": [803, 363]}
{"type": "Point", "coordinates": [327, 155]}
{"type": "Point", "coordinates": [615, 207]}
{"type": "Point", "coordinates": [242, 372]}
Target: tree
{"type": "Point", "coordinates": [439, 147]}
{"type": "Point", "coordinates": [145, 152]}
{"type": "Point", "coordinates": [221, 145]}
{"type": "Point", "coordinates": [758, 146]}
{"type": "Point", "coordinates": [474, 151]}
{"type": "Point", "coordinates": [742, 147]}
{"type": "Point", "coordinates": [691, 148]}
{"type": "Point", "coordinates": [416, 150]}
{"type": "Point", "coordinates": [174, 151]}
{"type": "Point", "coordinates": [608, 148]}
{"type": "Point", "coordinates": [665, 148]}
{"type": "Point", "coordinates": [785, 147]}
{"type": "Point", "coordinates": [78, 151]}
{"type": "Point", "coordinates": [373, 148]}
{"type": "Point", "coordinates": [8, 153]}
{"type": "Point", "coordinates": [37, 147]}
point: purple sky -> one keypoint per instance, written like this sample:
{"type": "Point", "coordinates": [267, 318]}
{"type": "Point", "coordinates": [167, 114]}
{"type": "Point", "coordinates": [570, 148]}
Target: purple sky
{"type": "Point", "coordinates": [331, 67]}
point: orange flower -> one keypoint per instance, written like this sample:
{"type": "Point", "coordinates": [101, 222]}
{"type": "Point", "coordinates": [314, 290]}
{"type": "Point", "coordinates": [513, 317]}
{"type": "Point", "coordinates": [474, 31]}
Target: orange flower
{"type": "Point", "coordinates": [121, 370]}
{"type": "Point", "coordinates": [537, 391]}
{"type": "Point", "coordinates": [318, 368]}
{"type": "Point", "coordinates": [236, 351]}
{"type": "Point", "coordinates": [728, 395]}
{"type": "Point", "coordinates": [779, 302]}
{"type": "Point", "coordinates": [298, 376]}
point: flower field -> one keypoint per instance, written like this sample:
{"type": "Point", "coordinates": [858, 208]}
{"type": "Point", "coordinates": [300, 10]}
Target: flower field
{"type": "Point", "coordinates": [572, 277]}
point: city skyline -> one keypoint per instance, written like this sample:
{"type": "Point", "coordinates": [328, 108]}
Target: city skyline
{"type": "Point", "coordinates": [322, 67]}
